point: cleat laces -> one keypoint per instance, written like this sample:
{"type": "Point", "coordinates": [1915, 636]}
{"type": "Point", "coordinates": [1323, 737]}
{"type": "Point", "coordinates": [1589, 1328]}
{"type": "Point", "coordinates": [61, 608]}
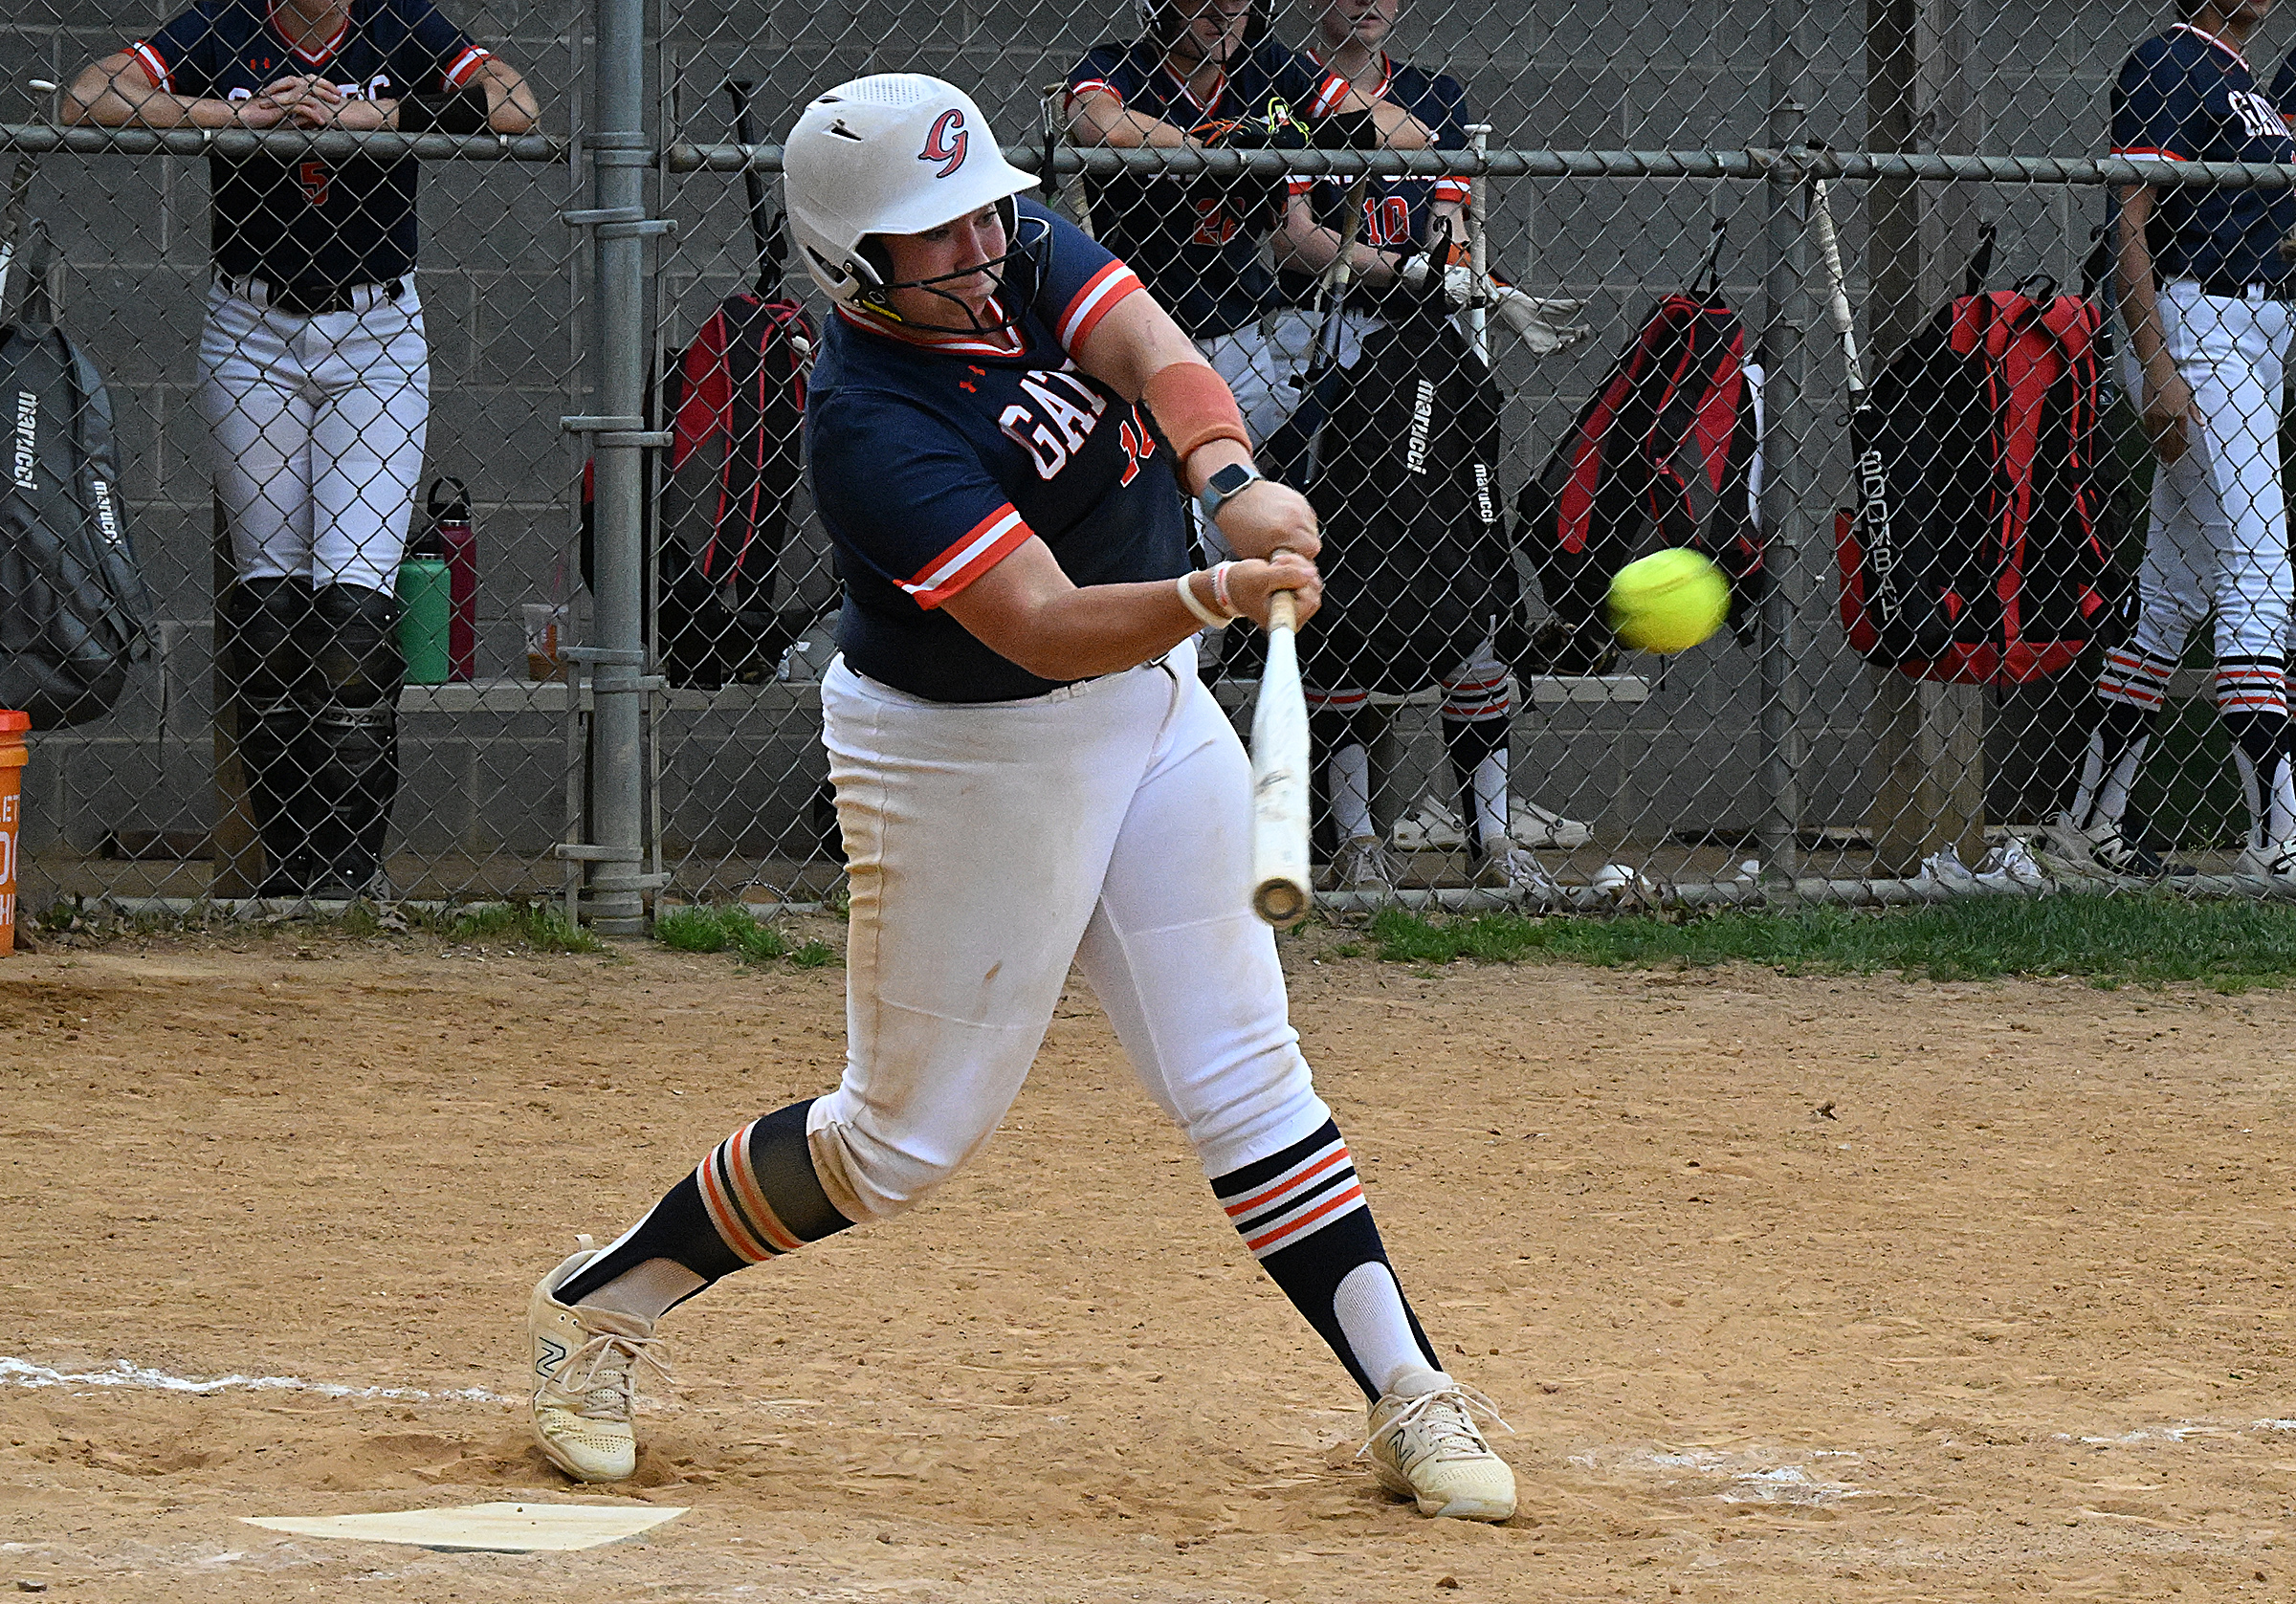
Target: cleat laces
{"type": "Point", "coordinates": [598, 1380]}
{"type": "Point", "coordinates": [1445, 1422]}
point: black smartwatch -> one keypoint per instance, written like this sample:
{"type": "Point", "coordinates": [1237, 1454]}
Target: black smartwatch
{"type": "Point", "coordinates": [1225, 486]}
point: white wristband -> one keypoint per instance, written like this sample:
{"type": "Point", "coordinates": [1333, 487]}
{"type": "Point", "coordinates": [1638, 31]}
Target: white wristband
{"type": "Point", "coordinates": [1188, 595]}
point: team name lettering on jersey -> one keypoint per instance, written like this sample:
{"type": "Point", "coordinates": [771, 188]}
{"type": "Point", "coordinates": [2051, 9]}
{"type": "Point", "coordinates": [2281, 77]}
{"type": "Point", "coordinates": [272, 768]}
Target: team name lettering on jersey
{"type": "Point", "coordinates": [1070, 410]}
{"type": "Point", "coordinates": [946, 143]}
{"type": "Point", "coordinates": [2258, 115]}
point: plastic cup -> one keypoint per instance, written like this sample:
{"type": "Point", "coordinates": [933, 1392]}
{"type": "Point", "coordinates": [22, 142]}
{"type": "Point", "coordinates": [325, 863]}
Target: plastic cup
{"type": "Point", "coordinates": [546, 634]}
{"type": "Point", "coordinates": [14, 753]}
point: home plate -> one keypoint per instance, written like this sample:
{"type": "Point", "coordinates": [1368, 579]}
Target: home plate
{"type": "Point", "coordinates": [510, 1528]}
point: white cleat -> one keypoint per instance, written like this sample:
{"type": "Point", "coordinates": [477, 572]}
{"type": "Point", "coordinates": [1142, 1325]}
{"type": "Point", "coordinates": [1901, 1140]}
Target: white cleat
{"type": "Point", "coordinates": [1363, 865]}
{"type": "Point", "coordinates": [1430, 825]}
{"type": "Point", "coordinates": [1533, 826]}
{"type": "Point", "coordinates": [2274, 860]}
{"type": "Point", "coordinates": [1425, 1446]}
{"type": "Point", "coordinates": [2101, 847]}
{"type": "Point", "coordinates": [585, 1393]}
{"type": "Point", "coordinates": [1514, 868]}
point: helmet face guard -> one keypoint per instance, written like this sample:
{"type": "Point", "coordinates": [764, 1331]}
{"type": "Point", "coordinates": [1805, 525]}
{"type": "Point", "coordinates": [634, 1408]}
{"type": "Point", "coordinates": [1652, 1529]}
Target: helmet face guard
{"type": "Point", "coordinates": [1017, 273]}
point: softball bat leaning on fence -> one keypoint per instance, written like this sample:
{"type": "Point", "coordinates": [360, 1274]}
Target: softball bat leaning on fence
{"type": "Point", "coordinates": [1279, 776]}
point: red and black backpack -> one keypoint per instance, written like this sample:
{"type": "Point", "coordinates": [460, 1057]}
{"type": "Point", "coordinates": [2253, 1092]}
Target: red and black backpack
{"type": "Point", "coordinates": [1663, 455]}
{"type": "Point", "coordinates": [734, 405]}
{"type": "Point", "coordinates": [1980, 548]}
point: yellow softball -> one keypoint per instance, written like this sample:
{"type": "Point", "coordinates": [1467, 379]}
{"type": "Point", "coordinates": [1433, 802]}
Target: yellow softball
{"type": "Point", "coordinates": [1668, 601]}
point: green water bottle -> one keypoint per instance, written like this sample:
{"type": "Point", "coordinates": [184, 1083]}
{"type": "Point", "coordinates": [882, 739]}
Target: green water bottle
{"type": "Point", "coordinates": [425, 606]}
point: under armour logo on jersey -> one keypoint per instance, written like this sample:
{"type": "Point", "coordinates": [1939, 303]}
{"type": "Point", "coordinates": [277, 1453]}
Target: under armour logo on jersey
{"type": "Point", "coordinates": [947, 142]}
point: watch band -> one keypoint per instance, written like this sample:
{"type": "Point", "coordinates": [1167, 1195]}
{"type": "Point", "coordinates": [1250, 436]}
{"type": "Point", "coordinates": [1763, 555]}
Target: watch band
{"type": "Point", "coordinates": [1225, 486]}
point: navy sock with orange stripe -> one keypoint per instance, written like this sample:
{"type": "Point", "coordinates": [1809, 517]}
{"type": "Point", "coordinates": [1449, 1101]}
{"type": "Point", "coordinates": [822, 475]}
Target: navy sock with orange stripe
{"type": "Point", "coordinates": [755, 1198]}
{"type": "Point", "coordinates": [1303, 1214]}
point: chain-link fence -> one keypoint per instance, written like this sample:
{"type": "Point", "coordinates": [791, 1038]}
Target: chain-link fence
{"type": "Point", "coordinates": [296, 411]}
{"type": "Point", "coordinates": [1547, 356]}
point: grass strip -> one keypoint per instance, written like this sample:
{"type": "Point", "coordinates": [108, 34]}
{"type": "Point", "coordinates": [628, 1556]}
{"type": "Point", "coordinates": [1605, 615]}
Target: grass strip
{"type": "Point", "coordinates": [735, 930]}
{"type": "Point", "coordinates": [2106, 941]}
{"type": "Point", "coordinates": [540, 926]}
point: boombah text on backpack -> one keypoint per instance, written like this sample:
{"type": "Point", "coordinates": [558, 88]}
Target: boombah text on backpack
{"type": "Point", "coordinates": [74, 614]}
{"type": "Point", "coordinates": [1665, 454]}
{"type": "Point", "coordinates": [1980, 548]}
{"type": "Point", "coordinates": [1416, 565]}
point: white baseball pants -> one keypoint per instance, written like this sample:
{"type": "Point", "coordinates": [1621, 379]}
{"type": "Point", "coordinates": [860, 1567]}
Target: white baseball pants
{"type": "Point", "coordinates": [1108, 823]}
{"type": "Point", "coordinates": [2218, 537]}
{"type": "Point", "coordinates": [318, 427]}
{"type": "Point", "coordinates": [1261, 362]}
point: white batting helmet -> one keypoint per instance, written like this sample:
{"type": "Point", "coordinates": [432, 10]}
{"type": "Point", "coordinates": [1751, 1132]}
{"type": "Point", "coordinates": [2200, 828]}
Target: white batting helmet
{"type": "Point", "coordinates": [895, 153]}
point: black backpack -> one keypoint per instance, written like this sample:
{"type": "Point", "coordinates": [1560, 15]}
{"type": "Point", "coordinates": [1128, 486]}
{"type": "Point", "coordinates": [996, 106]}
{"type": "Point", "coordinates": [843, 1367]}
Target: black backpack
{"type": "Point", "coordinates": [75, 617]}
{"type": "Point", "coordinates": [1416, 564]}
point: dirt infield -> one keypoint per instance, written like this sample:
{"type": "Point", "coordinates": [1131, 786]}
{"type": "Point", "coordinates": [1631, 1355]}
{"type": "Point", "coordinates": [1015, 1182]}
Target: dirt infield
{"type": "Point", "coordinates": [1793, 1289]}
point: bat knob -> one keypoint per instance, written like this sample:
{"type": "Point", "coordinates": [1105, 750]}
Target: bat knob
{"type": "Point", "coordinates": [1280, 902]}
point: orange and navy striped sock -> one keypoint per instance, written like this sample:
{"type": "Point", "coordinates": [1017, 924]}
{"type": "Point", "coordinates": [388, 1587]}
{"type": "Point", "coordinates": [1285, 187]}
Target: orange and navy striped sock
{"type": "Point", "coordinates": [1303, 1214]}
{"type": "Point", "coordinates": [755, 1198]}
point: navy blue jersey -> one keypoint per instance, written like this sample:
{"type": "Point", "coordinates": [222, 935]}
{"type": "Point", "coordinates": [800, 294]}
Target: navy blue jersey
{"type": "Point", "coordinates": [314, 225]}
{"type": "Point", "coordinates": [1199, 256]}
{"type": "Point", "coordinates": [930, 463]}
{"type": "Point", "coordinates": [2189, 94]}
{"type": "Point", "coordinates": [1396, 211]}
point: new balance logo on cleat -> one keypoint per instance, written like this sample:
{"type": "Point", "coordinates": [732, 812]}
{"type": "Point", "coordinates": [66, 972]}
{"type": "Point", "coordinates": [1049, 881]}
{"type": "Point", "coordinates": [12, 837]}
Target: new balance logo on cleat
{"type": "Point", "coordinates": [2101, 847]}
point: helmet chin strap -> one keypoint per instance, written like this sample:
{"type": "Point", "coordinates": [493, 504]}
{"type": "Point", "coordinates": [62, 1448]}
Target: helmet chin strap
{"type": "Point", "coordinates": [876, 298]}
{"type": "Point", "coordinates": [877, 302]}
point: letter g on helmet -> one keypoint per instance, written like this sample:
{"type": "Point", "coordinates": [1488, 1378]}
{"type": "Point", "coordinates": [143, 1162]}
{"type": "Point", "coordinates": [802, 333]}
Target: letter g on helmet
{"type": "Point", "coordinates": [895, 153]}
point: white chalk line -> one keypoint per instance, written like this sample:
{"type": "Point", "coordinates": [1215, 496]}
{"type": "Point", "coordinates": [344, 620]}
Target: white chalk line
{"type": "Point", "coordinates": [1759, 1476]}
{"type": "Point", "coordinates": [22, 1372]}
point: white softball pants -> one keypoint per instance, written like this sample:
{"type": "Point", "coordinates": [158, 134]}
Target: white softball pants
{"type": "Point", "coordinates": [1108, 823]}
{"type": "Point", "coordinates": [1262, 362]}
{"type": "Point", "coordinates": [2218, 537]}
{"type": "Point", "coordinates": [318, 427]}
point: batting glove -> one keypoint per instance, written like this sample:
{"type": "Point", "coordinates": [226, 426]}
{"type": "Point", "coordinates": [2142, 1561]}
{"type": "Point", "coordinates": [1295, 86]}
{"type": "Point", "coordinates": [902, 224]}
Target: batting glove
{"type": "Point", "coordinates": [1459, 282]}
{"type": "Point", "coordinates": [1542, 321]}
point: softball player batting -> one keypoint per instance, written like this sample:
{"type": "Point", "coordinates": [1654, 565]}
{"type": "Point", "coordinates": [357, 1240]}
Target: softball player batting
{"type": "Point", "coordinates": [1016, 665]}
{"type": "Point", "coordinates": [314, 380]}
{"type": "Point", "coordinates": [2205, 294]}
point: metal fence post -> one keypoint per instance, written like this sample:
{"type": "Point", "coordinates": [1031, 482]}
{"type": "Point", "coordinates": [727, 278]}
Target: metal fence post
{"type": "Point", "coordinates": [1789, 474]}
{"type": "Point", "coordinates": [620, 155]}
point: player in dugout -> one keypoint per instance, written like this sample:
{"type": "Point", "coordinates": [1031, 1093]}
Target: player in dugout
{"type": "Point", "coordinates": [314, 380]}
{"type": "Point", "coordinates": [1207, 74]}
{"type": "Point", "coordinates": [1410, 231]}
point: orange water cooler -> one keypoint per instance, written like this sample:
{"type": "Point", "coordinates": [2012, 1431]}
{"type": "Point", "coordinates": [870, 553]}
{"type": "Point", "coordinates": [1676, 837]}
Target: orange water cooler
{"type": "Point", "coordinates": [13, 755]}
